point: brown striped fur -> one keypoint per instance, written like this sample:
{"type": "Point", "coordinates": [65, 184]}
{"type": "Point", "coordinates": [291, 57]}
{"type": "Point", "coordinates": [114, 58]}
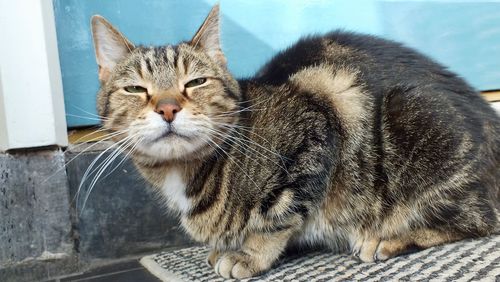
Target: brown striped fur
{"type": "Point", "coordinates": [344, 140]}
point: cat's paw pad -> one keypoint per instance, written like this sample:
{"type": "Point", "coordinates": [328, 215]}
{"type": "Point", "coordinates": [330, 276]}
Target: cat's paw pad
{"type": "Point", "coordinates": [212, 258]}
{"type": "Point", "coordinates": [235, 265]}
{"type": "Point", "coordinates": [365, 249]}
{"type": "Point", "coordinates": [384, 251]}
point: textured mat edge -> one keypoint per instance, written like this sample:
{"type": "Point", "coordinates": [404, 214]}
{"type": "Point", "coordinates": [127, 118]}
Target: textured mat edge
{"type": "Point", "coordinates": [157, 270]}
{"type": "Point", "coordinates": [467, 260]}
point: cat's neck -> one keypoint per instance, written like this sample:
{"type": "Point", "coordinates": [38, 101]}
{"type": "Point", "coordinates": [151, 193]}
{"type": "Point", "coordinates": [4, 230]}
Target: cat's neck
{"type": "Point", "coordinates": [181, 183]}
{"type": "Point", "coordinates": [155, 173]}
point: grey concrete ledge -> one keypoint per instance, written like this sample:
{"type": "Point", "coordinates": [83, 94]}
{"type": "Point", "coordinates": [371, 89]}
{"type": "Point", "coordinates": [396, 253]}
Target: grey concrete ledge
{"type": "Point", "coordinates": [34, 215]}
{"type": "Point", "coordinates": [43, 236]}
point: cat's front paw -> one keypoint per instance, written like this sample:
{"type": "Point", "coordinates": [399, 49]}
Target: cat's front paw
{"type": "Point", "coordinates": [374, 249]}
{"type": "Point", "coordinates": [365, 249]}
{"type": "Point", "coordinates": [234, 264]}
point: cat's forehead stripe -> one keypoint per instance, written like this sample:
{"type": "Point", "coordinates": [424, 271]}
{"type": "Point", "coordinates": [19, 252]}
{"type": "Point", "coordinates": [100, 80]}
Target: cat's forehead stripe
{"type": "Point", "coordinates": [150, 59]}
{"type": "Point", "coordinates": [138, 68]}
{"type": "Point", "coordinates": [153, 58]}
{"type": "Point", "coordinates": [185, 64]}
{"type": "Point", "coordinates": [171, 56]}
{"type": "Point", "coordinates": [170, 53]}
{"type": "Point", "coordinates": [148, 65]}
{"type": "Point", "coordinates": [180, 64]}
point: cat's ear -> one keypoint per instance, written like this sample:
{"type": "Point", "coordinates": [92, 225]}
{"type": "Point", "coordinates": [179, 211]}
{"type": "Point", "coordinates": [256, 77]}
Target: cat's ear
{"type": "Point", "coordinates": [208, 37]}
{"type": "Point", "coordinates": [109, 44]}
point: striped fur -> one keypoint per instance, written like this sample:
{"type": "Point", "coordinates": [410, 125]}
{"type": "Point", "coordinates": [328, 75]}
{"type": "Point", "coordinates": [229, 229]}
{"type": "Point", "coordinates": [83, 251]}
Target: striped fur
{"type": "Point", "coordinates": [343, 140]}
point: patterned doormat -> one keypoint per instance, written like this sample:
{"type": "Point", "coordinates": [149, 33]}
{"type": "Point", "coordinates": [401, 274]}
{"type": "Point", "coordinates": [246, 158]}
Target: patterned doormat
{"type": "Point", "coordinates": [469, 260]}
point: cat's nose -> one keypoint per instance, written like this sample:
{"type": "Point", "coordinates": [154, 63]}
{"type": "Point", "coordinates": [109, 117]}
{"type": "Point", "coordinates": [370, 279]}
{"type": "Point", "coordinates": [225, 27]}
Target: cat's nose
{"type": "Point", "coordinates": [168, 108]}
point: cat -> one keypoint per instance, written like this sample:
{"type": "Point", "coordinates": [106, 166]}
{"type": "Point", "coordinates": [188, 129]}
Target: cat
{"type": "Point", "coordinates": [344, 141]}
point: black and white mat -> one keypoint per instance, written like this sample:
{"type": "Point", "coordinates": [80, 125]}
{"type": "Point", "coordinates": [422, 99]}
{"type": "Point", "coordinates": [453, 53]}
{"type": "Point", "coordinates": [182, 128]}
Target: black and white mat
{"type": "Point", "coordinates": [469, 260]}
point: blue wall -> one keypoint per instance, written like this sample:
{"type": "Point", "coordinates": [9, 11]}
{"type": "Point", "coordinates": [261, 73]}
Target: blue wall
{"type": "Point", "coordinates": [464, 35]}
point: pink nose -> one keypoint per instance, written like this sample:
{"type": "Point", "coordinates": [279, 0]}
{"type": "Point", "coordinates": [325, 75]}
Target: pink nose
{"type": "Point", "coordinates": [168, 107]}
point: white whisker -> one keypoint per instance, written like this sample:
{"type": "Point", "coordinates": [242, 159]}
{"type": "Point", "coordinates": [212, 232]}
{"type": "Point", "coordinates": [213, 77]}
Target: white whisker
{"type": "Point", "coordinates": [104, 165]}
{"type": "Point", "coordinates": [91, 166]}
{"type": "Point", "coordinates": [89, 113]}
{"type": "Point", "coordinates": [241, 142]}
{"type": "Point", "coordinates": [234, 161]}
{"type": "Point", "coordinates": [105, 138]}
{"type": "Point", "coordinates": [84, 117]}
{"type": "Point", "coordinates": [92, 133]}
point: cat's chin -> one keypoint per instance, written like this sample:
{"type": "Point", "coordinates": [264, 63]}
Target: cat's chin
{"type": "Point", "coordinates": [172, 146]}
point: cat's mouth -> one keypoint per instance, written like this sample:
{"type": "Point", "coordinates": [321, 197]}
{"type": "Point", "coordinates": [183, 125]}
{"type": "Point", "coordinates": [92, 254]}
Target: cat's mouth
{"type": "Point", "coordinates": [170, 133]}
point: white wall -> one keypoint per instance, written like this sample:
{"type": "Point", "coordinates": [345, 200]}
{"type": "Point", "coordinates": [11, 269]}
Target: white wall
{"type": "Point", "coordinates": [31, 96]}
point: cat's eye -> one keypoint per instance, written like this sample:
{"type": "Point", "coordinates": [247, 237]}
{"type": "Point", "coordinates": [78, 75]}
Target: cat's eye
{"type": "Point", "coordinates": [195, 82]}
{"type": "Point", "coordinates": [135, 89]}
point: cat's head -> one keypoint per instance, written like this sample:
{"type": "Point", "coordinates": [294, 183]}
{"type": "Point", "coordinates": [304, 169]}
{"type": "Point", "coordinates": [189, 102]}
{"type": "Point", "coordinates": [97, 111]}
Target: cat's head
{"type": "Point", "coordinates": [173, 102]}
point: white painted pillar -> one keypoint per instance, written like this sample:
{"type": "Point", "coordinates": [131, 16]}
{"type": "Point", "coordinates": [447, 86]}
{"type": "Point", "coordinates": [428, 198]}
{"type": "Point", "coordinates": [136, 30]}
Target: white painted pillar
{"type": "Point", "coordinates": [31, 94]}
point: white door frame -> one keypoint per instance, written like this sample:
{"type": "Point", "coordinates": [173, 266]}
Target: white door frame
{"type": "Point", "coordinates": [31, 94]}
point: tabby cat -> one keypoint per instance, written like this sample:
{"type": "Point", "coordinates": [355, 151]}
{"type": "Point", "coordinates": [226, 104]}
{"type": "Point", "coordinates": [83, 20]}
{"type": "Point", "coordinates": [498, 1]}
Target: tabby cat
{"type": "Point", "coordinates": [345, 141]}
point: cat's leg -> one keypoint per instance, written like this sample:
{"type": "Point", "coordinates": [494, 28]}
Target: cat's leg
{"type": "Point", "coordinates": [258, 253]}
{"type": "Point", "coordinates": [419, 240]}
{"type": "Point", "coordinates": [370, 249]}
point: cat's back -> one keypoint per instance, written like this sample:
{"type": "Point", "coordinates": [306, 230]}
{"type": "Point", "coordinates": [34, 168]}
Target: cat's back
{"type": "Point", "coordinates": [382, 68]}
{"type": "Point", "coordinates": [403, 99]}
{"type": "Point", "coordinates": [379, 63]}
